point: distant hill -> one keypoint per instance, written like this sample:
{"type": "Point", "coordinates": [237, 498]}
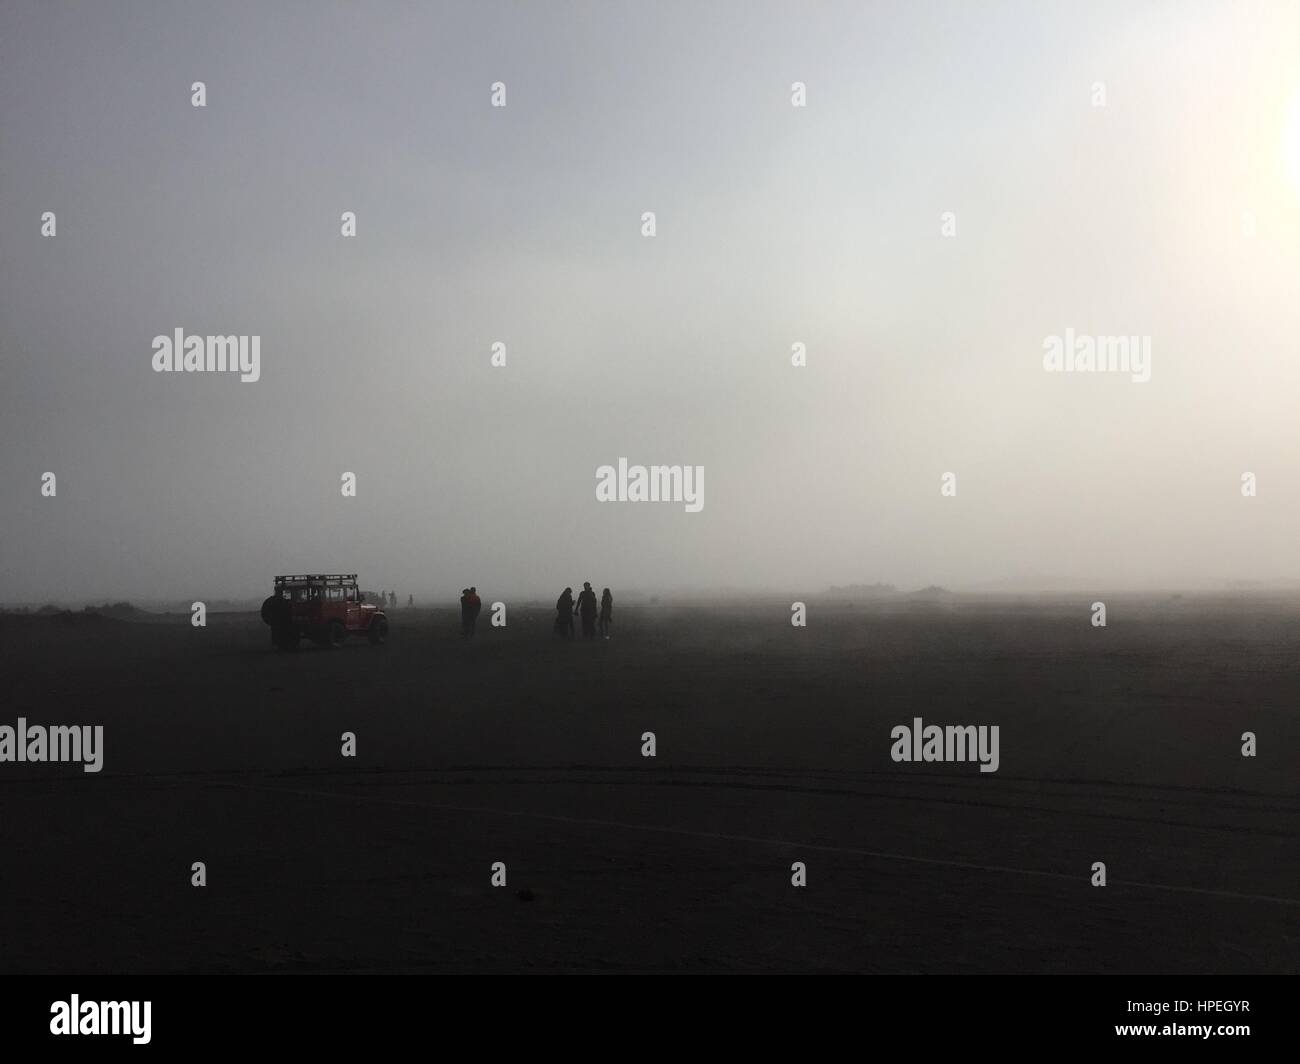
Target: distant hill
{"type": "Point", "coordinates": [933, 593]}
{"type": "Point", "coordinates": [110, 611]}
{"type": "Point", "coordinates": [861, 591]}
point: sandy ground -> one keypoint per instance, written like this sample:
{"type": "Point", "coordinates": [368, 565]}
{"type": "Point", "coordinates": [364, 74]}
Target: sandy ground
{"type": "Point", "coordinates": [1119, 745]}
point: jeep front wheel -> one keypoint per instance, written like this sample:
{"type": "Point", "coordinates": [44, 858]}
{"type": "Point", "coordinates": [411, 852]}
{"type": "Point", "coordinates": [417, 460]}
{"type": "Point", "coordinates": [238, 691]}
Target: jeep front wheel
{"type": "Point", "coordinates": [378, 630]}
{"type": "Point", "coordinates": [336, 633]}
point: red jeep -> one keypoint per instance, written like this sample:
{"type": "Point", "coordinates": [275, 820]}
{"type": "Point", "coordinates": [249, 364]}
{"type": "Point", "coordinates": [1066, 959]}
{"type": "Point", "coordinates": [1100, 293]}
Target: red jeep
{"type": "Point", "coordinates": [324, 607]}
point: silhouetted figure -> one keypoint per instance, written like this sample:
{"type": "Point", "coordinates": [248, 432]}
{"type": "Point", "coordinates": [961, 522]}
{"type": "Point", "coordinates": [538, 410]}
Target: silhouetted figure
{"type": "Point", "coordinates": [587, 611]}
{"type": "Point", "coordinates": [410, 601]}
{"type": "Point", "coordinates": [606, 612]}
{"type": "Point", "coordinates": [392, 599]}
{"type": "Point", "coordinates": [475, 604]}
{"type": "Point", "coordinates": [564, 614]}
{"type": "Point", "coordinates": [464, 613]}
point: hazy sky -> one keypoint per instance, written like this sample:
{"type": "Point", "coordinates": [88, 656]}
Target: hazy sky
{"type": "Point", "coordinates": [775, 225]}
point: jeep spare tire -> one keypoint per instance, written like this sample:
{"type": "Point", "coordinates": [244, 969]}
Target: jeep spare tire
{"type": "Point", "coordinates": [274, 610]}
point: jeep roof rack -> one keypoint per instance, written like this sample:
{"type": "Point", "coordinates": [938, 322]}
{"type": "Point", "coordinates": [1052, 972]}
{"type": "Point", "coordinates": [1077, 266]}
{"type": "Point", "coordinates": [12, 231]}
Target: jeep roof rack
{"type": "Point", "coordinates": [318, 579]}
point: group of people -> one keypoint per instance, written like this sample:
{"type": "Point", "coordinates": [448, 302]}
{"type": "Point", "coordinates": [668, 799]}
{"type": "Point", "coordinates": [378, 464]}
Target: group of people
{"type": "Point", "coordinates": [470, 604]}
{"type": "Point", "coordinates": [389, 599]}
{"type": "Point", "coordinates": [586, 609]}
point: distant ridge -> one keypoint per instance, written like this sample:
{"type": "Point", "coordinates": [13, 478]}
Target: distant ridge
{"type": "Point", "coordinates": [933, 593]}
{"type": "Point", "coordinates": [861, 590]}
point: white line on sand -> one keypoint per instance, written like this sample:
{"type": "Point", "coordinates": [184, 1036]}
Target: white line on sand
{"type": "Point", "coordinates": [722, 836]}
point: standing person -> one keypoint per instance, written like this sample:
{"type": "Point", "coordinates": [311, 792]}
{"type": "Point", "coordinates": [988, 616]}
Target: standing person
{"type": "Point", "coordinates": [410, 601]}
{"type": "Point", "coordinates": [475, 604]}
{"type": "Point", "coordinates": [564, 614]}
{"type": "Point", "coordinates": [464, 613]}
{"type": "Point", "coordinates": [606, 612]}
{"type": "Point", "coordinates": [392, 599]}
{"type": "Point", "coordinates": [587, 610]}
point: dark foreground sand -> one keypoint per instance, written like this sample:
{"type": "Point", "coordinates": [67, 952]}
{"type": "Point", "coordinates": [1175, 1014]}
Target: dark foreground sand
{"type": "Point", "coordinates": [1119, 745]}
